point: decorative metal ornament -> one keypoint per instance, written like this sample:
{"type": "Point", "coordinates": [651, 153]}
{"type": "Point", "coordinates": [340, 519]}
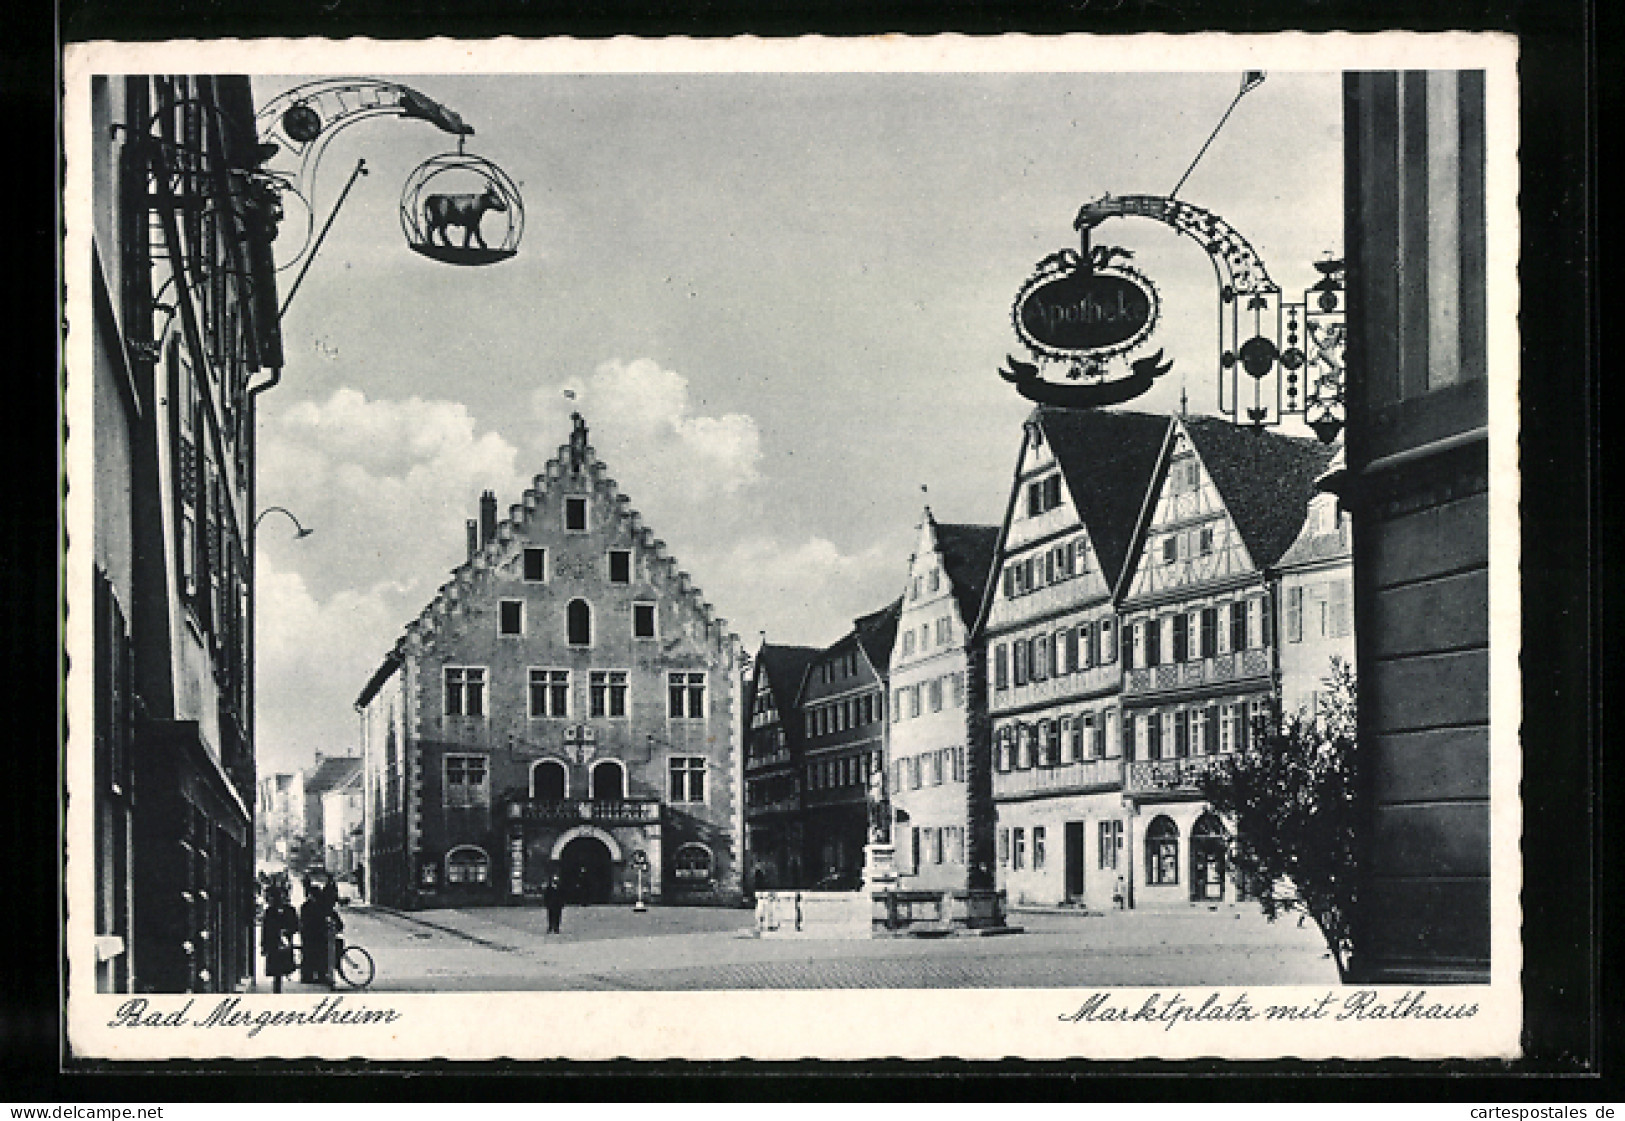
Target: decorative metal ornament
{"type": "Point", "coordinates": [444, 207]}
{"type": "Point", "coordinates": [1083, 311]}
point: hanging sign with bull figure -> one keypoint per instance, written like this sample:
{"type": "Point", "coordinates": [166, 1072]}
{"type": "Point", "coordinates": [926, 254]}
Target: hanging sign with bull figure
{"type": "Point", "coordinates": [462, 210]}
{"type": "Point", "coordinates": [1082, 312]}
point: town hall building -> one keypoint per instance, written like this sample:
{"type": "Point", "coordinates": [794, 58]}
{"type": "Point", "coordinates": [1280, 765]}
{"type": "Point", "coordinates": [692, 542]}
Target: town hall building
{"type": "Point", "coordinates": [565, 707]}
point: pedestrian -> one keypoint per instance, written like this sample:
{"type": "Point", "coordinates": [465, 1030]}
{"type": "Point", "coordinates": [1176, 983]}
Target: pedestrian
{"type": "Point", "coordinates": [277, 929]}
{"type": "Point", "coordinates": [1117, 894]}
{"type": "Point", "coordinates": [553, 897]}
{"type": "Point", "coordinates": [313, 964]}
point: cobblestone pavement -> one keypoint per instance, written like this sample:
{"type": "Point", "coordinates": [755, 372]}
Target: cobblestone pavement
{"type": "Point", "coordinates": [687, 949]}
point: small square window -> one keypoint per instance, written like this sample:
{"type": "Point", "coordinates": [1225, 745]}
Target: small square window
{"type": "Point", "coordinates": [643, 620]}
{"type": "Point", "coordinates": [620, 566]}
{"type": "Point", "coordinates": [513, 616]}
{"type": "Point", "coordinates": [575, 514]}
{"type": "Point", "coordinates": [535, 565]}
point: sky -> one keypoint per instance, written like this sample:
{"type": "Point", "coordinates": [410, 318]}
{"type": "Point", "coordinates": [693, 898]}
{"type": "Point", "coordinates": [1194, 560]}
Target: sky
{"type": "Point", "coordinates": [780, 301]}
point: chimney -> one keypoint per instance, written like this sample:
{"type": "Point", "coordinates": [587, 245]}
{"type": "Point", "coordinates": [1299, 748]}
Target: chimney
{"type": "Point", "coordinates": [488, 517]}
{"type": "Point", "coordinates": [473, 538]}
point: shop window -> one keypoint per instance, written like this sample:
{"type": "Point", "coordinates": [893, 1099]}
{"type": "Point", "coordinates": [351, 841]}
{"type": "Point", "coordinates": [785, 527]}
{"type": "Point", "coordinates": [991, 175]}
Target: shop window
{"type": "Point", "coordinates": [1109, 849]}
{"type": "Point", "coordinates": [1018, 848]}
{"type": "Point", "coordinates": [468, 865]}
{"type": "Point", "coordinates": [692, 864]}
{"type": "Point", "coordinates": [1038, 847]}
{"type": "Point", "coordinates": [1162, 851]}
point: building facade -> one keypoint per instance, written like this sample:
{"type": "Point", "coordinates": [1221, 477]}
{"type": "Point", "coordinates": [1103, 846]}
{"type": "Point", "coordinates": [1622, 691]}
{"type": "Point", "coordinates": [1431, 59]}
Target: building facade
{"type": "Point", "coordinates": [1417, 487]}
{"type": "Point", "coordinates": [1051, 633]}
{"type": "Point", "coordinates": [930, 768]}
{"type": "Point", "coordinates": [843, 715]}
{"type": "Point", "coordinates": [1316, 601]}
{"type": "Point", "coordinates": [184, 316]}
{"type": "Point", "coordinates": [1200, 654]}
{"type": "Point", "coordinates": [566, 707]}
{"type": "Point", "coordinates": [774, 748]}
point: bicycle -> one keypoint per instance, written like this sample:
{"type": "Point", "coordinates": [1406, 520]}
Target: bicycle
{"type": "Point", "coordinates": [352, 964]}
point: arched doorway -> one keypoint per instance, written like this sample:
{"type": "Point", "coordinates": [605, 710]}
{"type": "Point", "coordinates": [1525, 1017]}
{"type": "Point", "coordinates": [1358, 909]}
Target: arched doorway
{"type": "Point", "coordinates": [549, 781]}
{"type": "Point", "coordinates": [1162, 852]}
{"type": "Point", "coordinates": [587, 870]}
{"type": "Point", "coordinates": [608, 781]}
{"type": "Point", "coordinates": [1207, 859]}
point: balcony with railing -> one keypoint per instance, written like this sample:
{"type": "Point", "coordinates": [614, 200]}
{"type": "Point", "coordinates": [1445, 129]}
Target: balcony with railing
{"type": "Point", "coordinates": [1069, 778]}
{"type": "Point", "coordinates": [1169, 776]}
{"type": "Point", "coordinates": [1203, 671]}
{"type": "Point", "coordinates": [578, 811]}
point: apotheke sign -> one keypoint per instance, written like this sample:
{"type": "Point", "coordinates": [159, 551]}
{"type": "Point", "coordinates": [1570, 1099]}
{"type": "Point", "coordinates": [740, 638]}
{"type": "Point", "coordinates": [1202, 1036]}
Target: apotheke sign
{"type": "Point", "coordinates": [1083, 313]}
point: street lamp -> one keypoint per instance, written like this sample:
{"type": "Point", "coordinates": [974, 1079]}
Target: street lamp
{"type": "Point", "coordinates": [301, 531]}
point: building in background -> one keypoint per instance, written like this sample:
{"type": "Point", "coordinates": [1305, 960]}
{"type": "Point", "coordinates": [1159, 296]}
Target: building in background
{"type": "Point", "coordinates": [279, 823]}
{"type": "Point", "coordinates": [1050, 629]}
{"type": "Point", "coordinates": [184, 315]}
{"type": "Point", "coordinates": [775, 744]}
{"type": "Point", "coordinates": [1417, 487]}
{"type": "Point", "coordinates": [931, 738]}
{"type": "Point", "coordinates": [332, 811]}
{"type": "Point", "coordinates": [1199, 619]}
{"type": "Point", "coordinates": [843, 714]}
{"type": "Point", "coordinates": [567, 706]}
{"type": "Point", "coordinates": [1316, 601]}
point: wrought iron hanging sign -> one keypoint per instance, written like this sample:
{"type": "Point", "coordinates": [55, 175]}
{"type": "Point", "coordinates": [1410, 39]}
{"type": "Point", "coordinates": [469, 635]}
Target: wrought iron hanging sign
{"type": "Point", "coordinates": [1081, 313]}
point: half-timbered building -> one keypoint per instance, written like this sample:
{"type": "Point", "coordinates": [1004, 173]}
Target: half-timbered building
{"type": "Point", "coordinates": [775, 740]}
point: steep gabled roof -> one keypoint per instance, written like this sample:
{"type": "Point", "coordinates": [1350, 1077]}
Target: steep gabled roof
{"type": "Point", "coordinates": [877, 631]}
{"type": "Point", "coordinates": [1109, 459]}
{"type": "Point", "coordinates": [785, 666]}
{"type": "Point", "coordinates": [331, 772]}
{"type": "Point", "coordinates": [967, 553]}
{"type": "Point", "coordinates": [1266, 480]}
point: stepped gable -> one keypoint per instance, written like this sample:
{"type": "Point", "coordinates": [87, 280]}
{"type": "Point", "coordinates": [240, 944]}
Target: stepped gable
{"type": "Point", "coordinates": [1266, 480]}
{"type": "Point", "coordinates": [967, 553]}
{"type": "Point", "coordinates": [474, 575]}
{"type": "Point", "coordinates": [1109, 459]}
{"type": "Point", "coordinates": [876, 632]}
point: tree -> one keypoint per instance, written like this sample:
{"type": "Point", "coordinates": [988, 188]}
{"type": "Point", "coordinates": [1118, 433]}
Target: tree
{"type": "Point", "coordinates": [1291, 796]}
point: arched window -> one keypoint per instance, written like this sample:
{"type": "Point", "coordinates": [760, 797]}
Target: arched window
{"type": "Point", "coordinates": [468, 865]}
{"type": "Point", "coordinates": [692, 864]}
{"type": "Point", "coordinates": [608, 781]}
{"type": "Point", "coordinates": [1162, 851]}
{"type": "Point", "coordinates": [1207, 858]}
{"type": "Point", "coordinates": [579, 622]}
{"type": "Point", "coordinates": [549, 781]}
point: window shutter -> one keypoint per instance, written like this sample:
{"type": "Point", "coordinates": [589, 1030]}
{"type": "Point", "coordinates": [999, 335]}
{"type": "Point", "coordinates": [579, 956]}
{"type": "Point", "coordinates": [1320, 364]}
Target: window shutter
{"type": "Point", "coordinates": [1072, 648]}
{"type": "Point", "coordinates": [1210, 731]}
{"type": "Point", "coordinates": [1182, 628]}
{"type": "Point", "coordinates": [1340, 609]}
{"type": "Point", "coordinates": [1128, 646]}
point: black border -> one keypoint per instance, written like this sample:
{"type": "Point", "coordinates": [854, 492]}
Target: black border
{"type": "Point", "coordinates": [1564, 911]}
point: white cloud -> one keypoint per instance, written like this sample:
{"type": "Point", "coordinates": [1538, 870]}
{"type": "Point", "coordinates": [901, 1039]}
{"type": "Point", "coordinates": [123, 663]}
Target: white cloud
{"type": "Point", "coordinates": [643, 424]}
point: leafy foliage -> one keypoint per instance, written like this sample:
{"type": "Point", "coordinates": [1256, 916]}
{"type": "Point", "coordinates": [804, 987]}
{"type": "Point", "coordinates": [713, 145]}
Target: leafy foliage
{"type": "Point", "coordinates": [1291, 797]}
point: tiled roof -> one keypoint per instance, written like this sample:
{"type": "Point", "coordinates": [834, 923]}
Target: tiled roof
{"type": "Point", "coordinates": [877, 631]}
{"type": "Point", "coordinates": [1109, 458]}
{"type": "Point", "coordinates": [967, 553]}
{"type": "Point", "coordinates": [331, 772]}
{"type": "Point", "coordinates": [1266, 480]}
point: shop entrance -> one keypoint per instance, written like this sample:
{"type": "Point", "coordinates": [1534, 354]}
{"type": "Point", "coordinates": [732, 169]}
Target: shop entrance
{"type": "Point", "coordinates": [587, 871]}
{"type": "Point", "coordinates": [1074, 861]}
{"type": "Point", "coordinates": [1207, 859]}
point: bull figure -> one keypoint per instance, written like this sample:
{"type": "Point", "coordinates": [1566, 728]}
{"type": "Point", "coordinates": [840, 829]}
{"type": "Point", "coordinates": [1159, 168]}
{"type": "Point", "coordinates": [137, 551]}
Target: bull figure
{"type": "Point", "coordinates": [460, 210]}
